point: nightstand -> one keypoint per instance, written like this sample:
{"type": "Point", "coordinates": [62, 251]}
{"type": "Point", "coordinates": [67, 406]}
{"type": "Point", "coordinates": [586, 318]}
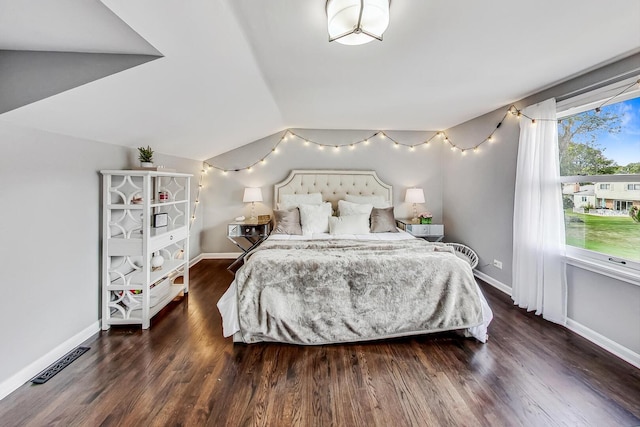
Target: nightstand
{"type": "Point", "coordinates": [430, 232]}
{"type": "Point", "coordinates": [247, 236]}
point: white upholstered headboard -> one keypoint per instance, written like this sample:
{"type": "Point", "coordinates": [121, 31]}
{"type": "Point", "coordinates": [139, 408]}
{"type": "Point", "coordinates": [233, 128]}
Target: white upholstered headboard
{"type": "Point", "coordinates": [333, 184]}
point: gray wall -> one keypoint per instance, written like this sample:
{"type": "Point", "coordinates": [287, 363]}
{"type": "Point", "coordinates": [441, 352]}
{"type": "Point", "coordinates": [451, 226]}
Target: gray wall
{"type": "Point", "coordinates": [396, 166]}
{"type": "Point", "coordinates": [28, 76]}
{"type": "Point", "coordinates": [50, 227]}
{"type": "Point", "coordinates": [478, 194]}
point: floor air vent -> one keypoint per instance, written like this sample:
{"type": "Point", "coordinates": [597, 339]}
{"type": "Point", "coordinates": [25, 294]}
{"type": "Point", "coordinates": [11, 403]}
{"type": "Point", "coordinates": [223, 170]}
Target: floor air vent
{"type": "Point", "coordinates": [59, 365]}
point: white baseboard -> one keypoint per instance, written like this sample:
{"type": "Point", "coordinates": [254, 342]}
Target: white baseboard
{"type": "Point", "coordinates": [221, 255]}
{"type": "Point", "coordinates": [195, 260]}
{"type": "Point", "coordinates": [600, 340]}
{"type": "Point", "coordinates": [25, 374]}
{"type": "Point", "coordinates": [493, 282]}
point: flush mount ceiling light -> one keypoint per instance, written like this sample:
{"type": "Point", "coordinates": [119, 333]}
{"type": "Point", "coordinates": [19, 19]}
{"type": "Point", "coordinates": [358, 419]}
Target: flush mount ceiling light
{"type": "Point", "coordinates": [354, 22]}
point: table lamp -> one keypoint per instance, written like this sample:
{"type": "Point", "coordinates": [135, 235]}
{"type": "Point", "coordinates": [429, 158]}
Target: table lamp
{"type": "Point", "coordinates": [415, 196]}
{"type": "Point", "coordinates": [253, 195]}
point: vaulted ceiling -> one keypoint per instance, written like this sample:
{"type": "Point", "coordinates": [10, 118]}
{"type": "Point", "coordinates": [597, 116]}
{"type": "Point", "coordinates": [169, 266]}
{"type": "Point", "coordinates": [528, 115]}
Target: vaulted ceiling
{"type": "Point", "coordinates": [227, 72]}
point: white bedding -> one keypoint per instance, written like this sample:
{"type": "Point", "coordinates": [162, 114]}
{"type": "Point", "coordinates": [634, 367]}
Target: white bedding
{"type": "Point", "coordinates": [400, 235]}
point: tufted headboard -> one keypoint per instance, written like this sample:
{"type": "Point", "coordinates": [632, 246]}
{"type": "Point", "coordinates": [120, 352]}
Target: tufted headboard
{"type": "Point", "coordinates": [333, 184]}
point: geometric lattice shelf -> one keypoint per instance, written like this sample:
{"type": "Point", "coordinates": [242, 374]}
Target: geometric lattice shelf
{"type": "Point", "coordinates": [145, 220]}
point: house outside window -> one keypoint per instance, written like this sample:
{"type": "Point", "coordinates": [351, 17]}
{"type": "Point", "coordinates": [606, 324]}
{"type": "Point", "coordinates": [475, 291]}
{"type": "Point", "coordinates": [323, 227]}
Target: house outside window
{"type": "Point", "coordinates": [600, 176]}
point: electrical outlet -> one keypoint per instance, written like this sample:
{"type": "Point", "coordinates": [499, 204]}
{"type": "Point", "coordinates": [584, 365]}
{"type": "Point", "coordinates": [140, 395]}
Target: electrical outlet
{"type": "Point", "coordinates": [497, 264]}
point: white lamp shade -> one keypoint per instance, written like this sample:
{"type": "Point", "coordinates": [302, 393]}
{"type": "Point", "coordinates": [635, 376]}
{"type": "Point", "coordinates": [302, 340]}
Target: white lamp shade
{"type": "Point", "coordinates": [252, 194]}
{"type": "Point", "coordinates": [342, 18]}
{"type": "Point", "coordinates": [414, 195]}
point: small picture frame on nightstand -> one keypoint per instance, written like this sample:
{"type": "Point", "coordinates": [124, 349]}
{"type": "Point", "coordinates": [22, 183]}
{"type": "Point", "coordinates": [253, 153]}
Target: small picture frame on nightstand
{"type": "Point", "coordinates": [160, 220]}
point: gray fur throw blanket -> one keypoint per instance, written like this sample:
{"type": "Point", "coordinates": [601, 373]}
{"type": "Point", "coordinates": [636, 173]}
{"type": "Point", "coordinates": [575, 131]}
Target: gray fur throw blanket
{"type": "Point", "coordinates": [332, 291]}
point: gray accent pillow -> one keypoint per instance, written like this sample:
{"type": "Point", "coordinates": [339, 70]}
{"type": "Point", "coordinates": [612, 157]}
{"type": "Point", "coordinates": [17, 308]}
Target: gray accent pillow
{"type": "Point", "coordinates": [287, 222]}
{"type": "Point", "coordinates": [383, 221]}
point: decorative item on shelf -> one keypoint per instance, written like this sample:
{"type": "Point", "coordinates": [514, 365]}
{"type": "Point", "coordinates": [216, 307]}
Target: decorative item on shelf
{"type": "Point", "coordinates": [163, 196]}
{"type": "Point", "coordinates": [262, 218]}
{"type": "Point", "coordinates": [156, 261]}
{"type": "Point", "coordinates": [160, 220]}
{"type": "Point", "coordinates": [355, 22]}
{"type": "Point", "coordinates": [415, 196]}
{"type": "Point", "coordinates": [252, 194]}
{"type": "Point", "coordinates": [137, 200]}
{"type": "Point", "coordinates": [145, 155]}
{"type": "Point", "coordinates": [425, 217]}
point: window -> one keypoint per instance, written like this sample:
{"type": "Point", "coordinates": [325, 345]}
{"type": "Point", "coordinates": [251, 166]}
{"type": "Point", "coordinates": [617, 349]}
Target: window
{"type": "Point", "coordinates": [600, 175]}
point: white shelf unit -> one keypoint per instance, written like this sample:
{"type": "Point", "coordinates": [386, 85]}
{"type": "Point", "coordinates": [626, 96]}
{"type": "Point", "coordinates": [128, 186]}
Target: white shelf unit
{"type": "Point", "coordinates": [132, 292]}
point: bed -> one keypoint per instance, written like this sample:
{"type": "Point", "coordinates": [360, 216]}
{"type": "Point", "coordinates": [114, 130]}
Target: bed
{"type": "Point", "coordinates": [349, 284]}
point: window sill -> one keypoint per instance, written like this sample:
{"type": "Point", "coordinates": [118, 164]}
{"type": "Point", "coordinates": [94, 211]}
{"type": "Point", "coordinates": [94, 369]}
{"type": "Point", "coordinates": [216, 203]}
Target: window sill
{"type": "Point", "coordinates": [619, 273]}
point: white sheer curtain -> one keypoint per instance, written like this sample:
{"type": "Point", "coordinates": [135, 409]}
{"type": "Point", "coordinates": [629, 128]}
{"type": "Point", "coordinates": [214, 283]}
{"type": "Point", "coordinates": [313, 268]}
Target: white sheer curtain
{"type": "Point", "coordinates": [539, 279]}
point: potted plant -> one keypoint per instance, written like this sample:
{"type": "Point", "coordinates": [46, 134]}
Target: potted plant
{"type": "Point", "coordinates": [425, 217]}
{"type": "Point", "coordinates": [145, 155]}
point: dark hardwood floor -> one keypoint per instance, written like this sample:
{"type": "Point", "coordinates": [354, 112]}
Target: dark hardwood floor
{"type": "Point", "coordinates": [183, 372]}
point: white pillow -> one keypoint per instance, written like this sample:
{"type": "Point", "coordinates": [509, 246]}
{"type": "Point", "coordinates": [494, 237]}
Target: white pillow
{"type": "Point", "coordinates": [349, 224]}
{"type": "Point", "coordinates": [378, 202]}
{"type": "Point", "coordinates": [348, 208]}
{"type": "Point", "coordinates": [315, 218]}
{"type": "Point", "coordinates": [290, 201]}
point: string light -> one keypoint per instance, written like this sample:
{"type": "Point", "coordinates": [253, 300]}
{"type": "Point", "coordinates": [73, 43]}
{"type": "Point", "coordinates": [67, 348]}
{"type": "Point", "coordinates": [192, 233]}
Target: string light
{"type": "Point", "coordinates": [289, 134]}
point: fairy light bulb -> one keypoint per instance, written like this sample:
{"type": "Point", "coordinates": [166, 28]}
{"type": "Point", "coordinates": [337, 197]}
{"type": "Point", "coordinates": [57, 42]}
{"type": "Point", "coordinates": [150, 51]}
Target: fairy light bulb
{"type": "Point", "coordinates": [306, 142]}
{"type": "Point", "coordinates": [490, 139]}
{"type": "Point", "coordinates": [382, 135]}
{"type": "Point", "coordinates": [336, 148]}
{"type": "Point", "coordinates": [411, 148]}
{"type": "Point", "coordinates": [426, 144]}
{"type": "Point", "coordinates": [396, 145]}
{"type": "Point", "coordinates": [320, 147]}
{"type": "Point", "coordinates": [352, 146]}
{"type": "Point", "coordinates": [464, 152]}
{"type": "Point", "coordinates": [366, 142]}
{"type": "Point", "coordinates": [533, 122]}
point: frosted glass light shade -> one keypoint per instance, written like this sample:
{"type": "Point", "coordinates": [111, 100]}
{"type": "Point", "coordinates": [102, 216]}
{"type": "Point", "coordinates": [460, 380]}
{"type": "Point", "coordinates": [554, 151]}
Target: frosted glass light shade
{"type": "Point", "coordinates": [354, 22]}
{"type": "Point", "coordinates": [414, 195]}
{"type": "Point", "coordinates": [252, 195]}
